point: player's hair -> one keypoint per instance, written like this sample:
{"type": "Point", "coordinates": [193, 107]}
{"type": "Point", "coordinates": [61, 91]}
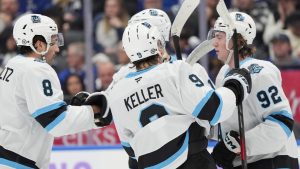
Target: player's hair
{"type": "Point", "coordinates": [148, 61]}
{"type": "Point", "coordinates": [23, 50]}
{"type": "Point", "coordinates": [245, 50]}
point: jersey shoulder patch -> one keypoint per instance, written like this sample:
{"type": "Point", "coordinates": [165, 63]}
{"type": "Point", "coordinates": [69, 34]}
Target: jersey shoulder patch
{"type": "Point", "coordinates": [255, 68]}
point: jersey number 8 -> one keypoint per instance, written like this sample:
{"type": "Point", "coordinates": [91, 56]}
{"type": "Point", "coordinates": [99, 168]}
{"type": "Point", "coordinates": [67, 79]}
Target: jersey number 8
{"type": "Point", "coordinates": [47, 87]}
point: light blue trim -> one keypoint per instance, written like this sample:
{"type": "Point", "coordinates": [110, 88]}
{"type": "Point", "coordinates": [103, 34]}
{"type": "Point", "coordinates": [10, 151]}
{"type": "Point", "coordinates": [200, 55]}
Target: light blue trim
{"type": "Point", "coordinates": [287, 131]}
{"type": "Point", "coordinates": [245, 60]}
{"type": "Point", "coordinates": [241, 63]}
{"type": "Point", "coordinates": [125, 144]}
{"type": "Point", "coordinates": [48, 108]}
{"type": "Point", "coordinates": [284, 113]}
{"type": "Point", "coordinates": [173, 58]}
{"type": "Point", "coordinates": [218, 113]}
{"type": "Point", "coordinates": [202, 103]}
{"type": "Point", "coordinates": [13, 164]}
{"type": "Point", "coordinates": [211, 144]}
{"type": "Point", "coordinates": [56, 121]}
{"type": "Point", "coordinates": [133, 74]}
{"type": "Point", "coordinates": [84, 147]}
{"type": "Point", "coordinates": [174, 157]}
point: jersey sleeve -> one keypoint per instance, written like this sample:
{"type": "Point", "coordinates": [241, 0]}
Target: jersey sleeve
{"type": "Point", "coordinates": [271, 107]}
{"type": "Point", "coordinates": [199, 69]}
{"type": "Point", "coordinates": [44, 99]}
{"type": "Point", "coordinates": [201, 100]}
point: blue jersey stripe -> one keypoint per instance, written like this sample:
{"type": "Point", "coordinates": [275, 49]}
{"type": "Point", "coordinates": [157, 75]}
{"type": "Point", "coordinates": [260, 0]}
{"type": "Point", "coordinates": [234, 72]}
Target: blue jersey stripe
{"type": "Point", "coordinates": [218, 113]}
{"type": "Point", "coordinates": [125, 144]}
{"type": "Point", "coordinates": [287, 131]}
{"type": "Point", "coordinates": [48, 108]}
{"type": "Point", "coordinates": [284, 113]}
{"type": "Point", "coordinates": [13, 164]}
{"type": "Point", "coordinates": [133, 74]}
{"type": "Point", "coordinates": [56, 121]}
{"type": "Point", "coordinates": [174, 157]}
{"type": "Point", "coordinates": [202, 103]}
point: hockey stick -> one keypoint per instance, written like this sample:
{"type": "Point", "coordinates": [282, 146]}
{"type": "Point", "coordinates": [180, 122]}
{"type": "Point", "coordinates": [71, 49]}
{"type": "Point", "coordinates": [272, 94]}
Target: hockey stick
{"type": "Point", "coordinates": [223, 12]}
{"type": "Point", "coordinates": [186, 9]}
{"type": "Point", "coordinates": [201, 50]}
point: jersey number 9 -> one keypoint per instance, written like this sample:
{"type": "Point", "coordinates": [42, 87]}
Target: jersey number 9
{"type": "Point", "coordinates": [152, 113]}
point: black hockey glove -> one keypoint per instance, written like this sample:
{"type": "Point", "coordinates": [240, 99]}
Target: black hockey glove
{"type": "Point", "coordinates": [104, 117]}
{"type": "Point", "coordinates": [239, 81]}
{"type": "Point", "coordinates": [226, 150]}
{"type": "Point", "coordinates": [79, 98]}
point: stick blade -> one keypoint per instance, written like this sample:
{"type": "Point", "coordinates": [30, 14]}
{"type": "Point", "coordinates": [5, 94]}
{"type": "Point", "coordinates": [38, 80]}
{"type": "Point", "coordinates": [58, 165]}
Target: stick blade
{"type": "Point", "coordinates": [186, 9]}
{"type": "Point", "coordinates": [224, 14]}
{"type": "Point", "coordinates": [201, 50]}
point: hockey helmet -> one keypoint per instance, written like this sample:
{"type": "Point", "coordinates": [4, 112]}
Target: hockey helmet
{"type": "Point", "coordinates": [244, 24]}
{"type": "Point", "coordinates": [155, 17]}
{"type": "Point", "coordinates": [30, 25]}
{"type": "Point", "coordinates": [142, 40]}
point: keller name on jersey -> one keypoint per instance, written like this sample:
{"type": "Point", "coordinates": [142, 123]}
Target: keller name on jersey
{"type": "Point", "coordinates": [142, 96]}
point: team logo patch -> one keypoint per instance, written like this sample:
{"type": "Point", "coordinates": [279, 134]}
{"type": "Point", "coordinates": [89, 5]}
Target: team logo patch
{"type": "Point", "coordinates": [153, 12]}
{"type": "Point", "coordinates": [255, 68]}
{"type": "Point", "coordinates": [35, 19]}
{"type": "Point", "coordinates": [239, 17]}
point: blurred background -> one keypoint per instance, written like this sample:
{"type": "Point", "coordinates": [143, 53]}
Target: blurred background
{"type": "Point", "coordinates": [93, 52]}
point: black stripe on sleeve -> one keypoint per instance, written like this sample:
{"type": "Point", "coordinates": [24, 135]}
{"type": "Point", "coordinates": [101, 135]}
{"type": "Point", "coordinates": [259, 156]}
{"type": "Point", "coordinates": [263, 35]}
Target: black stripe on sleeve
{"type": "Point", "coordinates": [210, 108]}
{"type": "Point", "coordinates": [129, 151]}
{"type": "Point", "coordinates": [285, 120]}
{"type": "Point", "coordinates": [48, 117]}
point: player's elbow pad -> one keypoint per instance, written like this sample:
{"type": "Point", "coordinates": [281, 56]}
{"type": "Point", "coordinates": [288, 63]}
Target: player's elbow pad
{"type": "Point", "coordinates": [104, 117]}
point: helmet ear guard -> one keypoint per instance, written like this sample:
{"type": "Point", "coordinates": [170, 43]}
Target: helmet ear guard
{"type": "Point", "coordinates": [30, 25]}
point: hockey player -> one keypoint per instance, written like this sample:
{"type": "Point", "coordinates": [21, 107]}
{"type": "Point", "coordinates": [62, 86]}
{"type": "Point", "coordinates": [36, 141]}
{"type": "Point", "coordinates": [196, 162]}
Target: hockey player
{"type": "Point", "coordinates": [161, 20]}
{"type": "Point", "coordinates": [163, 111]}
{"type": "Point", "coordinates": [32, 108]}
{"type": "Point", "coordinates": [270, 141]}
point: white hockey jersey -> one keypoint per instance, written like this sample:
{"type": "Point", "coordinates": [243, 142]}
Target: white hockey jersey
{"type": "Point", "coordinates": [267, 115]}
{"type": "Point", "coordinates": [33, 112]}
{"type": "Point", "coordinates": [154, 108]}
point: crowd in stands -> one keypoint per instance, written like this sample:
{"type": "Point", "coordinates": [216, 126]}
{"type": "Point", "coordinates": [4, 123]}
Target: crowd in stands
{"type": "Point", "coordinates": [277, 40]}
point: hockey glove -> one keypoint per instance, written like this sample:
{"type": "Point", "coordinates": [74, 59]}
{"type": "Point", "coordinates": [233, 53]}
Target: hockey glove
{"type": "Point", "coordinates": [239, 81]}
{"type": "Point", "coordinates": [104, 117]}
{"type": "Point", "coordinates": [225, 151]}
{"type": "Point", "coordinates": [79, 98]}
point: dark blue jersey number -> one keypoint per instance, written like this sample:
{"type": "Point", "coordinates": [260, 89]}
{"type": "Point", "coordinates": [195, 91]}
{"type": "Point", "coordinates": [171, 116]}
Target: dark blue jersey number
{"type": "Point", "coordinates": [47, 87]}
{"type": "Point", "coordinates": [195, 79]}
{"type": "Point", "coordinates": [265, 100]}
{"type": "Point", "coordinates": [152, 113]}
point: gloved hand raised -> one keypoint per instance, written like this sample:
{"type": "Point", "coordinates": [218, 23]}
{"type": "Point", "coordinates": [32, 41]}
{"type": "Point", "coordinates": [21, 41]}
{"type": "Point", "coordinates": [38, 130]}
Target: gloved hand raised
{"type": "Point", "coordinates": [239, 81]}
{"type": "Point", "coordinates": [104, 117]}
{"type": "Point", "coordinates": [79, 98]}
